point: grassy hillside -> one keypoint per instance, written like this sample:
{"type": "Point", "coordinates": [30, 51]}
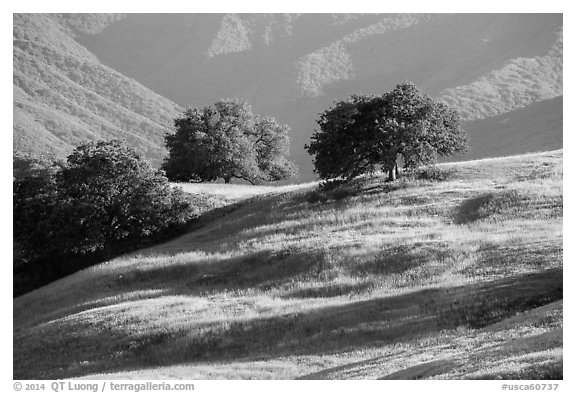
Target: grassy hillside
{"type": "Point", "coordinates": [460, 278]}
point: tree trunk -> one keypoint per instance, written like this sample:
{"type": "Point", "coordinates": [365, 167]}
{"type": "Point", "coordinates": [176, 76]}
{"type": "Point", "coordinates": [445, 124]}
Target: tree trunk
{"type": "Point", "coordinates": [396, 170]}
{"type": "Point", "coordinates": [227, 180]}
{"type": "Point", "coordinates": [391, 174]}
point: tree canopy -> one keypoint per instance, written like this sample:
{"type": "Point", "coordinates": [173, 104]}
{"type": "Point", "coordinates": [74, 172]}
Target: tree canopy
{"type": "Point", "coordinates": [104, 194]}
{"type": "Point", "coordinates": [227, 141]}
{"type": "Point", "coordinates": [363, 133]}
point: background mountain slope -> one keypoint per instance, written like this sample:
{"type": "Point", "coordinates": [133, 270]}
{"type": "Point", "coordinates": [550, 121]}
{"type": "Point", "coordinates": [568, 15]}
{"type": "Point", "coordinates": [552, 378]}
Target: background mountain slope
{"type": "Point", "coordinates": [64, 96]}
{"type": "Point", "coordinates": [291, 67]}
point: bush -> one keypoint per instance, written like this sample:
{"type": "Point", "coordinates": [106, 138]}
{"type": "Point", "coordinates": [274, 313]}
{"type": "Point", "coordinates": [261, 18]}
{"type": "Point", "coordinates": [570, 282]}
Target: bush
{"type": "Point", "coordinates": [335, 190]}
{"type": "Point", "coordinates": [434, 173]}
{"type": "Point", "coordinates": [317, 196]}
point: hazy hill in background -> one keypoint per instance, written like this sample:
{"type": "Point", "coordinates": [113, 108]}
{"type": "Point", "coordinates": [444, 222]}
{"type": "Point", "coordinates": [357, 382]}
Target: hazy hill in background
{"type": "Point", "coordinates": [72, 72]}
{"type": "Point", "coordinates": [64, 96]}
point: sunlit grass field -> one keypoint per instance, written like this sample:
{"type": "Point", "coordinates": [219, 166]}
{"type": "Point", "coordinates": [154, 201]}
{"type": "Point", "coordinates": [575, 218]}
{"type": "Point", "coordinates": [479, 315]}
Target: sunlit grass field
{"type": "Point", "coordinates": [236, 192]}
{"type": "Point", "coordinates": [458, 278]}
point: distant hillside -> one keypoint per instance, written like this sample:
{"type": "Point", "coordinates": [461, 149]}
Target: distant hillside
{"type": "Point", "coordinates": [290, 66]}
{"type": "Point", "coordinates": [64, 96]}
{"type": "Point", "coordinates": [536, 127]}
{"type": "Point", "coordinates": [454, 279]}
{"type": "Point", "coordinates": [294, 66]}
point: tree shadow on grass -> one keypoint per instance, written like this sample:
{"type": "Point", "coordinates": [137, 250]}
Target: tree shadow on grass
{"type": "Point", "coordinates": [330, 290]}
{"type": "Point", "coordinates": [259, 270]}
{"type": "Point", "coordinates": [507, 204]}
{"type": "Point", "coordinates": [367, 323]}
{"type": "Point", "coordinates": [401, 258]}
{"type": "Point", "coordinates": [204, 276]}
{"type": "Point", "coordinates": [267, 269]}
{"type": "Point", "coordinates": [472, 209]}
{"type": "Point", "coordinates": [331, 329]}
{"type": "Point", "coordinates": [496, 258]}
{"type": "Point", "coordinates": [497, 353]}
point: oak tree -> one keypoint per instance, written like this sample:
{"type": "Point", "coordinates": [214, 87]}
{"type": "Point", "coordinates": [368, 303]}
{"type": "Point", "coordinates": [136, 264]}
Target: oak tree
{"type": "Point", "coordinates": [104, 194]}
{"type": "Point", "coordinates": [364, 133]}
{"type": "Point", "coordinates": [227, 141]}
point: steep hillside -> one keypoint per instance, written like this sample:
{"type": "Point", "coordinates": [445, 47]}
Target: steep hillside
{"type": "Point", "coordinates": [460, 278]}
{"type": "Point", "coordinates": [294, 66]}
{"type": "Point", "coordinates": [64, 96]}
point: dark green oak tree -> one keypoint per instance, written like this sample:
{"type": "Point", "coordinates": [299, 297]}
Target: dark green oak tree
{"type": "Point", "coordinates": [365, 133]}
{"type": "Point", "coordinates": [227, 141]}
{"type": "Point", "coordinates": [103, 195]}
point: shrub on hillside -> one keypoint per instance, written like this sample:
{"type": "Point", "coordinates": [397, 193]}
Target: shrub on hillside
{"type": "Point", "coordinates": [433, 173]}
{"type": "Point", "coordinates": [316, 196]}
{"type": "Point", "coordinates": [335, 190]}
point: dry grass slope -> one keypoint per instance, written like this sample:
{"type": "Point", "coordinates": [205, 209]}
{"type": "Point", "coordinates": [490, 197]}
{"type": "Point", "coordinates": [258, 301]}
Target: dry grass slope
{"type": "Point", "coordinates": [460, 278]}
